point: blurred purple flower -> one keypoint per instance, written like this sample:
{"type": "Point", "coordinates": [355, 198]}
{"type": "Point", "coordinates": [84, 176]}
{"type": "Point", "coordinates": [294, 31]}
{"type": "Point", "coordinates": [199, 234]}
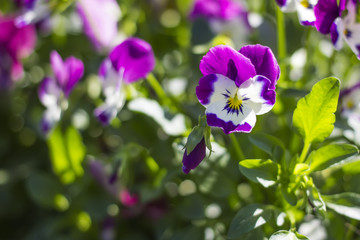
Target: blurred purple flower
{"type": "Point", "coordinates": [100, 19]}
{"type": "Point", "coordinates": [34, 11]}
{"type": "Point", "coordinates": [237, 86]}
{"type": "Point", "coordinates": [195, 157]}
{"type": "Point", "coordinates": [342, 27]}
{"type": "Point", "coordinates": [53, 90]}
{"type": "Point", "coordinates": [304, 9]}
{"type": "Point", "coordinates": [127, 198]}
{"type": "Point", "coordinates": [15, 43]}
{"type": "Point", "coordinates": [217, 9]}
{"type": "Point", "coordinates": [128, 62]}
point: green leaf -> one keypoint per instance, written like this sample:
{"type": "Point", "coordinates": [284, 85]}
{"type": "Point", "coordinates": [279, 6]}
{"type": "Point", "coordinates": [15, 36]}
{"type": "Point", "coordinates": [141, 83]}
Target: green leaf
{"type": "Point", "coordinates": [314, 196]}
{"type": "Point", "coordinates": [289, 194]}
{"type": "Point", "coordinates": [67, 153]}
{"type": "Point", "coordinates": [248, 219]}
{"type": "Point", "coordinates": [347, 204]}
{"type": "Point", "coordinates": [261, 171]}
{"type": "Point", "coordinates": [286, 235]}
{"type": "Point", "coordinates": [301, 168]}
{"type": "Point", "coordinates": [314, 115]}
{"type": "Point", "coordinates": [269, 144]}
{"type": "Point", "coordinates": [332, 155]}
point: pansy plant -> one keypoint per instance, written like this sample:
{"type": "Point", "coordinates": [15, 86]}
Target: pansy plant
{"type": "Point", "coordinates": [54, 91]}
{"type": "Point", "coordinates": [237, 86]}
{"type": "Point", "coordinates": [128, 62]}
{"type": "Point", "coordinates": [304, 9]}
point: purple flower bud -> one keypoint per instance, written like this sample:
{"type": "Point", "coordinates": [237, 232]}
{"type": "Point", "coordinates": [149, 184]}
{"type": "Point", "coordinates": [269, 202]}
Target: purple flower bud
{"type": "Point", "coordinates": [192, 160]}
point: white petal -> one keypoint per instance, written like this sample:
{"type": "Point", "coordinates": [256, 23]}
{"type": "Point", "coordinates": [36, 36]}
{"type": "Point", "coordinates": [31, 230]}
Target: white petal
{"type": "Point", "coordinates": [223, 85]}
{"type": "Point", "coordinates": [305, 14]}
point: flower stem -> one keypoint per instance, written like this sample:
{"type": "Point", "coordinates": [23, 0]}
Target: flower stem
{"type": "Point", "coordinates": [281, 43]}
{"type": "Point", "coordinates": [304, 151]}
{"type": "Point", "coordinates": [154, 83]}
{"type": "Point", "coordinates": [239, 153]}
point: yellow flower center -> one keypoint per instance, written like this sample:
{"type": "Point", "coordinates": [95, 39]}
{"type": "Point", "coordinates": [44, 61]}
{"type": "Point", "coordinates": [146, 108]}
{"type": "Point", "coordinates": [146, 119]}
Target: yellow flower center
{"type": "Point", "coordinates": [234, 103]}
{"type": "Point", "coordinates": [305, 3]}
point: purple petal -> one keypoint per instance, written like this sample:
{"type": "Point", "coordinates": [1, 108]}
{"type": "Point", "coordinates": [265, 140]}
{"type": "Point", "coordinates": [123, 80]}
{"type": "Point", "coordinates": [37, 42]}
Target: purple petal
{"type": "Point", "coordinates": [128, 199]}
{"type": "Point", "coordinates": [192, 160]}
{"type": "Point", "coordinates": [326, 11]}
{"type": "Point", "coordinates": [205, 88]}
{"type": "Point", "coordinates": [58, 67]}
{"type": "Point", "coordinates": [49, 92]}
{"type": "Point", "coordinates": [100, 19]}
{"type": "Point", "coordinates": [281, 3]}
{"type": "Point", "coordinates": [336, 38]}
{"type": "Point", "coordinates": [135, 57]}
{"type": "Point", "coordinates": [75, 71]}
{"type": "Point", "coordinates": [264, 62]}
{"type": "Point", "coordinates": [105, 113]}
{"type": "Point", "coordinates": [226, 61]}
{"type": "Point", "coordinates": [227, 127]}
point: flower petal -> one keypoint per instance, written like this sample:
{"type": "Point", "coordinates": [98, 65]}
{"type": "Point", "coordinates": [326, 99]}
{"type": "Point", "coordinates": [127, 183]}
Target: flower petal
{"type": "Point", "coordinates": [58, 68]}
{"type": "Point", "coordinates": [100, 20]}
{"type": "Point", "coordinates": [49, 92]}
{"type": "Point", "coordinates": [135, 57]}
{"type": "Point", "coordinates": [212, 88]}
{"type": "Point", "coordinates": [226, 61]}
{"type": "Point", "coordinates": [261, 98]}
{"type": "Point", "coordinates": [218, 116]}
{"type": "Point", "coordinates": [264, 62]}
{"type": "Point", "coordinates": [192, 160]}
{"type": "Point", "coordinates": [306, 13]}
{"type": "Point", "coordinates": [50, 118]}
{"type": "Point", "coordinates": [336, 33]}
{"type": "Point", "coordinates": [326, 11]}
{"type": "Point", "coordinates": [112, 80]}
{"type": "Point", "coordinates": [287, 5]}
{"type": "Point", "coordinates": [108, 111]}
{"type": "Point", "coordinates": [75, 71]}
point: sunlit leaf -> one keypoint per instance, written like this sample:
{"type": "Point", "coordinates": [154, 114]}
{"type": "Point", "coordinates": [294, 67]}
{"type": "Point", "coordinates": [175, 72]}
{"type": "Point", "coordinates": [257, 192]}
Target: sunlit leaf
{"type": "Point", "coordinates": [288, 194]}
{"type": "Point", "coordinates": [264, 172]}
{"type": "Point", "coordinates": [286, 235]}
{"type": "Point", "coordinates": [314, 196]}
{"type": "Point", "coordinates": [347, 204]}
{"type": "Point", "coordinates": [314, 115]}
{"type": "Point", "coordinates": [248, 219]}
{"type": "Point", "coordinates": [332, 155]}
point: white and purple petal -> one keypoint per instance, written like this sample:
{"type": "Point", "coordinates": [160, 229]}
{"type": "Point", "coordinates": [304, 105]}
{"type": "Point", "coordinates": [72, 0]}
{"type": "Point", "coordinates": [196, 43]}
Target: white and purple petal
{"type": "Point", "coordinates": [336, 33]}
{"type": "Point", "coordinates": [305, 10]}
{"type": "Point", "coordinates": [226, 61]}
{"type": "Point", "coordinates": [51, 116]}
{"type": "Point", "coordinates": [108, 111]}
{"type": "Point", "coordinates": [112, 80]}
{"type": "Point", "coordinates": [58, 67]}
{"type": "Point", "coordinates": [287, 5]}
{"type": "Point", "coordinates": [264, 61]}
{"type": "Point", "coordinates": [214, 87]}
{"type": "Point", "coordinates": [49, 92]}
{"type": "Point", "coordinates": [135, 56]}
{"type": "Point", "coordinates": [100, 19]}
{"type": "Point", "coordinates": [260, 97]}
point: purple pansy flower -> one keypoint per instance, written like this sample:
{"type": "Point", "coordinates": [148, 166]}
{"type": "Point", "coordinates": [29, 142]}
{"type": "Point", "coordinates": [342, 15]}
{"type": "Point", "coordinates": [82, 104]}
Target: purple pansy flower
{"type": "Point", "coordinates": [237, 86]}
{"type": "Point", "coordinates": [15, 43]}
{"type": "Point", "coordinates": [128, 62]}
{"type": "Point", "coordinates": [192, 160]}
{"type": "Point", "coordinates": [304, 9]}
{"type": "Point", "coordinates": [100, 19]}
{"type": "Point", "coordinates": [34, 11]}
{"type": "Point", "coordinates": [53, 91]}
{"type": "Point", "coordinates": [344, 28]}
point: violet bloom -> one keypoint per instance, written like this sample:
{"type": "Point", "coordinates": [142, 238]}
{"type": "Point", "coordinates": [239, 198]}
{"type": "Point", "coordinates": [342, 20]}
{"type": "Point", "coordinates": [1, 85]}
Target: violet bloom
{"type": "Point", "coordinates": [127, 198]}
{"type": "Point", "coordinates": [304, 9]}
{"type": "Point", "coordinates": [34, 11]}
{"type": "Point", "coordinates": [237, 86]}
{"type": "Point", "coordinates": [54, 90]}
{"type": "Point", "coordinates": [343, 28]}
{"type": "Point", "coordinates": [128, 62]}
{"type": "Point", "coordinates": [100, 19]}
{"type": "Point", "coordinates": [192, 160]}
{"type": "Point", "coordinates": [15, 43]}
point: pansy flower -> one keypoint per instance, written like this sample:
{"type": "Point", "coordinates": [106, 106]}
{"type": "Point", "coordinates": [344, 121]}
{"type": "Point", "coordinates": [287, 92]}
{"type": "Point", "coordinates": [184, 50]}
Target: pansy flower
{"type": "Point", "coordinates": [128, 62]}
{"type": "Point", "coordinates": [15, 43]}
{"type": "Point", "coordinates": [34, 11]}
{"type": "Point", "coordinates": [100, 19]}
{"type": "Point", "coordinates": [341, 21]}
{"type": "Point", "coordinates": [237, 86]}
{"type": "Point", "coordinates": [54, 90]}
{"type": "Point", "coordinates": [304, 9]}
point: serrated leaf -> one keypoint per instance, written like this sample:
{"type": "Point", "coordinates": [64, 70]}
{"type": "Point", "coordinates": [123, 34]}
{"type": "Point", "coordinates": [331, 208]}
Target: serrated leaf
{"type": "Point", "coordinates": [248, 219]}
{"type": "Point", "coordinates": [269, 144]}
{"type": "Point", "coordinates": [332, 155]}
{"type": "Point", "coordinates": [261, 171]}
{"type": "Point", "coordinates": [347, 204]}
{"type": "Point", "coordinates": [286, 235]}
{"type": "Point", "coordinates": [314, 115]}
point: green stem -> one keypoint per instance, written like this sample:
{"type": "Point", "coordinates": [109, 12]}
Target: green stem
{"type": "Point", "coordinates": [158, 89]}
{"type": "Point", "coordinates": [304, 151]}
{"type": "Point", "coordinates": [281, 42]}
{"type": "Point", "coordinates": [238, 150]}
